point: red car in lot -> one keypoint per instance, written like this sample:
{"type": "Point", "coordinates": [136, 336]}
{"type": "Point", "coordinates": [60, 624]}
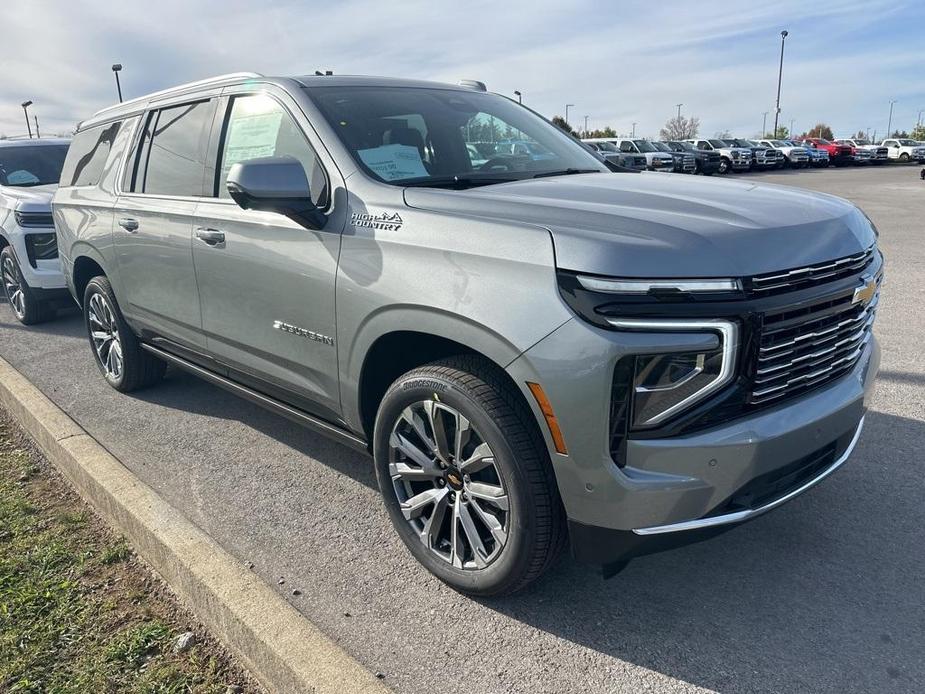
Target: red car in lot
{"type": "Point", "coordinates": [839, 155]}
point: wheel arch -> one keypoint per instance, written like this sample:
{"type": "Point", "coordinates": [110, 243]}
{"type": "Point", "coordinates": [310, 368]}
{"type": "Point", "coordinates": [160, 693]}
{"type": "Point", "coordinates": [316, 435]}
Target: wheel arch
{"type": "Point", "coordinates": [87, 264]}
{"type": "Point", "coordinates": [394, 342]}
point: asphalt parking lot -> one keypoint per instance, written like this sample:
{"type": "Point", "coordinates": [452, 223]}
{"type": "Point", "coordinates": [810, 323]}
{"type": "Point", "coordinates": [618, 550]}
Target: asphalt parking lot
{"type": "Point", "coordinates": [824, 595]}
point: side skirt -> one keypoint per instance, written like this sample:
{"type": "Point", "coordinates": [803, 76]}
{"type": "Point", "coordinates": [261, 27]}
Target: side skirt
{"type": "Point", "coordinates": [314, 423]}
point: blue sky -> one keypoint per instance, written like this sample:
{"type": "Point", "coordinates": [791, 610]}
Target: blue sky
{"type": "Point", "coordinates": [618, 62]}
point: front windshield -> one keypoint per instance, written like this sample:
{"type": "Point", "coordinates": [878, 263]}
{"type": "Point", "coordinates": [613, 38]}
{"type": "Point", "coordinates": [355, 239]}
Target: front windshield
{"type": "Point", "coordinates": [719, 144]}
{"type": "Point", "coordinates": [908, 143]}
{"type": "Point", "coordinates": [751, 143]}
{"type": "Point", "coordinates": [644, 146]}
{"type": "Point", "coordinates": [607, 147]}
{"type": "Point", "coordinates": [678, 146]}
{"type": "Point", "coordinates": [661, 146]}
{"type": "Point", "coordinates": [780, 143]}
{"type": "Point", "coordinates": [31, 165]}
{"type": "Point", "coordinates": [414, 136]}
{"type": "Point", "coordinates": [820, 141]}
{"type": "Point", "coordinates": [861, 143]}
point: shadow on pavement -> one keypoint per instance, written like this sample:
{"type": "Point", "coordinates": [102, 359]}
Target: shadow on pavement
{"type": "Point", "coordinates": [824, 594]}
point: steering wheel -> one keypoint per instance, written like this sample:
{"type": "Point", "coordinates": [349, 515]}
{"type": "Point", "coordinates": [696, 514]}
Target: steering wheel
{"type": "Point", "coordinates": [505, 163]}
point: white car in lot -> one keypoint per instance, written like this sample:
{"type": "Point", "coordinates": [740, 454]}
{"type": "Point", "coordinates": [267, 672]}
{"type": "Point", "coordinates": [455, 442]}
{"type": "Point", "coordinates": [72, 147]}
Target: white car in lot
{"type": "Point", "coordinates": [733, 158]}
{"type": "Point", "coordinates": [904, 149]}
{"type": "Point", "coordinates": [795, 156]}
{"type": "Point", "coordinates": [32, 279]}
{"type": "Point", "coordinates": [878, 153]}
{"type": "Point", "coordinates": [655, 160]}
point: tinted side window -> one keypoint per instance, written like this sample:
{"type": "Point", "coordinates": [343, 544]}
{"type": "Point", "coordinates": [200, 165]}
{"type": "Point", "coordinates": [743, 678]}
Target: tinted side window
{"type": "Point", "coordinates": [171, 158]}
{"type": "Point", "coordinates": [258, 126]}
{"type": "Point", "coordinates": [87, 155]}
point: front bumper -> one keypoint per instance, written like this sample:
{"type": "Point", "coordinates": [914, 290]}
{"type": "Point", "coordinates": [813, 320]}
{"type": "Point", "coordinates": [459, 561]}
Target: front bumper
{"type": "Point", "coordinates": [679, 489]}
{"type": "Point", "coordinates": [43, 274]}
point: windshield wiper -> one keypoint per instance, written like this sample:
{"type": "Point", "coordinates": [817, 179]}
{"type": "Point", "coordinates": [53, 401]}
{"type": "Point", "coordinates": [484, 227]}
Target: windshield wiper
{"type": "Point", "coordinates": [459, 182]}
{"type": "Point", "coordinates": [565, 172]}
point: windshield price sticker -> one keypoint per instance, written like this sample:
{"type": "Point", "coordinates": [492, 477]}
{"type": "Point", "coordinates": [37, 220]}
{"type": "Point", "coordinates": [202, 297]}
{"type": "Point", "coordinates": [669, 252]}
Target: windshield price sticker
{"type": "Point", "coordinates": [394, 162]}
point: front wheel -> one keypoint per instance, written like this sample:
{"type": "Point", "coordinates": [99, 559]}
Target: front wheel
{"type": "Point", "coordinates": [466, 477]}
{"type": "Point", "coordinates": [724, 165]}
{"type": "Point", "coordinates": [116, 350]}
{"type": "Point", "coordinates": [904, 157]}
{"type": "Point", "coordinates": [26, 306]}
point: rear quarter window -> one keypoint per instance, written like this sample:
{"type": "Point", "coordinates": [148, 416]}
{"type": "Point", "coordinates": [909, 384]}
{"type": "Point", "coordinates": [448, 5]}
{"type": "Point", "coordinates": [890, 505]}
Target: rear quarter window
{"type": "Point", "coordinates": [88, 154]}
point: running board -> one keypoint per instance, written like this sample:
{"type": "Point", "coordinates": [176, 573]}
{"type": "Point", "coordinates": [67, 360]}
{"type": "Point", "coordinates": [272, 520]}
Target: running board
{"type": "Point", "coordinates": [314, 423]}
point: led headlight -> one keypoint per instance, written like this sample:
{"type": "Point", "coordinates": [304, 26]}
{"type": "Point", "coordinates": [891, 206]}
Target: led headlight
{"type": "Point", "coordinates": [666, 384]}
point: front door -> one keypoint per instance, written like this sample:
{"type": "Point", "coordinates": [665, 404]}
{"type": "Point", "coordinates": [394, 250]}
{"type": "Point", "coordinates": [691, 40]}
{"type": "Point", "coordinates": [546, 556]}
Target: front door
{"type": "Point", "coordinates": [266, 283]}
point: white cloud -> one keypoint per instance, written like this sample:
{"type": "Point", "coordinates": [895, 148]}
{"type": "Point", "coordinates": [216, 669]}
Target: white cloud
{"type": "Point", "coordinates": [618, 62]}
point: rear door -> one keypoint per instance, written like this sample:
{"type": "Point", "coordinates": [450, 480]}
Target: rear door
{"type": "Point", "coordinates": [162, 185]}
{"type": "Point", "coordinates": [266, 283]}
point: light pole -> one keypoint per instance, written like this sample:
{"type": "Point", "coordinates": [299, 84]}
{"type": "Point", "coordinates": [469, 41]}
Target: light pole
{"type": "Point", "coordinates": [789, 132]}
{"type": "Point", "coordinates": [115, 69]}
{"type": "Point", "coordinates": [634, 129]}
{"type": "Point", "coordinates": [586, 126]}
{"type": "Point", "coordinates": [918, 121]}
{"type": "Point", "coordinates": [25, 107]}
{"type": "Point", "coordinates": [890, 122]}
{"type": "Point", "coordinates": [679, 112]}
{"type": "Point", "coordinates": [764, 125]}
{"type": "Point", "coordinates": [36, 119]}
{"type": "Point", "coordinates": [780, 74]}
{"type": "Point", "coordinates": [519, 96]}
{"type": "Point", "coordinates": [567, 107]}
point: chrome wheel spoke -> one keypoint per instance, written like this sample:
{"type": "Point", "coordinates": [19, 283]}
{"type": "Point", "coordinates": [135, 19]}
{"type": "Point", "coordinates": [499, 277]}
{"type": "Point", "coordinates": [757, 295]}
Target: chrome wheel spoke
{"type": "Point", "coordinates": [416, 505]}
{"type": "Point", "coordinates": [493, 524]}
{"type": "Point", "coordinates": [480, 459]}
{"type": "Point", "coordinates": [491, 493]}
{"type": "Point", "coordinates": [413, 453]}
{"type": "Point", "coordinates": [479, 553]}
{"type": "Point", "coordinates": [430, 534]}
{"type": "Point", "coordinates": [440, 418]}
{"type": "Point", "coordinates": [457, 551]}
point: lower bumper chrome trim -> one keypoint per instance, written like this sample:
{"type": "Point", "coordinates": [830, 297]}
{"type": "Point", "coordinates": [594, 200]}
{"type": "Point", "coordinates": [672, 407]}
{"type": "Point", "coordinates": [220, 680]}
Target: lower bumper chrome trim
{"type": "Point", "coordinates": [740, 516]}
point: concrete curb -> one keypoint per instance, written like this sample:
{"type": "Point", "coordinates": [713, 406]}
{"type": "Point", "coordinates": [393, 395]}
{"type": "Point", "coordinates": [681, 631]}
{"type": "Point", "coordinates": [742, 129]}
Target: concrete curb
{"type": "Point", "coordinates": [283, 650]}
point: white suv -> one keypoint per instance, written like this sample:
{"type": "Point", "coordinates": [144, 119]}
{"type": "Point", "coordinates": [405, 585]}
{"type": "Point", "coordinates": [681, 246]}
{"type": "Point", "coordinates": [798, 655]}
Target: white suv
{"type": "Point", "coordinates": [32, 279]}
{"type": "Point", "coordinates": [904, 149]}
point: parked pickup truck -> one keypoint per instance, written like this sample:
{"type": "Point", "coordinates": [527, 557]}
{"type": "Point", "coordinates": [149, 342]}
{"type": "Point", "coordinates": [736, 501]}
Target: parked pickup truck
{"type": "Point", "coordinates": [612, 153]}
{"type": "Point", "coordinates": [904, 150]}
{"type": "Point", "coordinates": [684, 162]}
{"type": "Point", "coordinates": [795, 156]}
{"type": "Point", "coordinates": [655, 160]}
{"type": "Point", "coordinates": [762, 157]}
{"type": "Point", "coordinates": [534, 352]}
{"type": "Point", "coordinates": [878, 153]}
{"type": "Point", "coordinates": [732, 158]}
{"type": "Point", "coordinates": [708, 162]}
{"type": "Point", "coordinates": [839, 155]}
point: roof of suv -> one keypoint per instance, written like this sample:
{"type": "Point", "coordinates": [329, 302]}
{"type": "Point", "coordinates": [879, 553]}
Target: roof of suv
{"type": "Point", "coordinates": [139, 103]}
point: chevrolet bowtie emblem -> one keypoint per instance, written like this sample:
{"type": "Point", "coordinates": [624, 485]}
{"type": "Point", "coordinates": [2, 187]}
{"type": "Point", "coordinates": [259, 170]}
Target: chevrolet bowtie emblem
{"type": "Point", "coordinates": [864, 293]}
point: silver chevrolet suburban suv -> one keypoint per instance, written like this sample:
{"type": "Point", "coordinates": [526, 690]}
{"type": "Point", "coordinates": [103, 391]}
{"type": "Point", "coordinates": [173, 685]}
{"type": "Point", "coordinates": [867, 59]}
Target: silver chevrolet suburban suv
{"type": "Point", "coordinates": [535, 350]}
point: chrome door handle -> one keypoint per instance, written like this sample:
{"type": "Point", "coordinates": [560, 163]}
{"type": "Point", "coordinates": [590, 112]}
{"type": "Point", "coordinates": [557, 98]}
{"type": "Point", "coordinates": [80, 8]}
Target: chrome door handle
{"type": "Point", "coordinates": [211, 237]}
{"type": "Point", "coordinates": [129, 224]}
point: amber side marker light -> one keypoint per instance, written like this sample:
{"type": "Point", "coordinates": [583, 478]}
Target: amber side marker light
{"type": "Point", "coordinates": [550, 416]}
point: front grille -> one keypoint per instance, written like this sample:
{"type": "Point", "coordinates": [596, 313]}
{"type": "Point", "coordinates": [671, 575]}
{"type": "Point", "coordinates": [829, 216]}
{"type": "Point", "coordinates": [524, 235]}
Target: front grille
{"type": "Point", "coordinates": [33, 220]}
{"type": "Point", "coordinates": [778, 282]}
{"type": "Point", "coordinates": [803, 348]}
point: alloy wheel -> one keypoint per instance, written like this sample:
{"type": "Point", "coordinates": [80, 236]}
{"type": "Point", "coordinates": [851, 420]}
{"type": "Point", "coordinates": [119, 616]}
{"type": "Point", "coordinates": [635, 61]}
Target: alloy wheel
{"type": "Point", "coordinates": [13, 286]}
{"type": "Point", "coordinates": [448, 485]}
{"type": "Point", "coordinates": [104, 333]}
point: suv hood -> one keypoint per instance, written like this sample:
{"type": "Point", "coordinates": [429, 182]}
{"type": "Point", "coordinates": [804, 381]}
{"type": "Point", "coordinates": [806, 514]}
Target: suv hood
{"type": "Point", "coordinates": [653, 225]}
{"type": "Point", "coordinates": [29, 198]}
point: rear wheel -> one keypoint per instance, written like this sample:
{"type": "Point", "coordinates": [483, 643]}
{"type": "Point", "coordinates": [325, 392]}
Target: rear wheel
{"type": "Point", "coordinates": [466, 477]}
{"type": "Point", "coordinates": [116, 350]}
{"type": "Point", "coordinates": [26, 306]}
{"type": "Point", "coordinates": [904, 157]}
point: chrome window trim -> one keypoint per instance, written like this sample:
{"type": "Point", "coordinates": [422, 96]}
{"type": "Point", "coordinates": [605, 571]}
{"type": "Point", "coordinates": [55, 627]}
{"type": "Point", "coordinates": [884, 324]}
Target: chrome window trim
{"type": "Point", "coordinates": [728, 332]}
{"type": "Point", "coordinates": [643, 286]}
{"type": "Point", "coordinates": [747, 514]}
